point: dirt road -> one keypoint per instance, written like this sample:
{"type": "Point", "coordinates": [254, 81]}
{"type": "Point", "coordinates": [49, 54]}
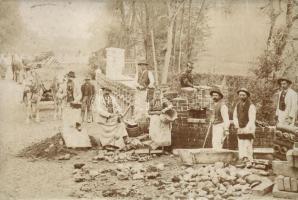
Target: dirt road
{"type": "Point", "coordinates": [22, 178]}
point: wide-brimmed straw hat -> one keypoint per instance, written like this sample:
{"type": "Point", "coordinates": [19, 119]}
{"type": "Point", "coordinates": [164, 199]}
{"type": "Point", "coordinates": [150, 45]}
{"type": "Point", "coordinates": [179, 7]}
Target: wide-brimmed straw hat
{"type": "Point", "coordinates": [283, 79]}
{"type": "Point", "coordinates": [216, 90]}
{"type": "Point", "coordinates": [244, 90]}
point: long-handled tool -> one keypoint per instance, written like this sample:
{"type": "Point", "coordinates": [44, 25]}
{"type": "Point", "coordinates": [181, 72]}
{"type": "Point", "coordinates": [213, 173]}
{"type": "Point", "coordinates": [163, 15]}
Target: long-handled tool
{"type": "Point", "coordinates": [208, 130]}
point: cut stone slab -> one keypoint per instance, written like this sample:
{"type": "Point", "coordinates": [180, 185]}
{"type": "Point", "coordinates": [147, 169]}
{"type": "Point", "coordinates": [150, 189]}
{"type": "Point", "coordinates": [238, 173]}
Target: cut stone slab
{"type": "Point", "coordinates": [196, 120]}
{"type": "Point", "coordinates": [142, 151]}
{"type": "Point", "coordinates": [265, 187]}
{"type": "Point", "coordinates": [284, 168]}
{"type": "Point", "coordinates": [280, 183]}
{"type": "Point", "coordinates": [294, 186]}
{"type": "Point", "coordinates": [209, 155]}
{"type": "Point", "coordinates": [287, 184]}
{"type": "Point", "coordinates": [74, 138]}
{"type": "Point", "coordinates": [282, 194]}
{"type": "Point", "coordinates": [263, 153]}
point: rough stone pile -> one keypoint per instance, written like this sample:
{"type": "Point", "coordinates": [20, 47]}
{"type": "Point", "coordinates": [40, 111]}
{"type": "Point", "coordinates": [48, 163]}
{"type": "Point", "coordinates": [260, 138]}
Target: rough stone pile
{"type": "Point", "coordinates": [212, 182]}
{"type": "Point", "coordinates": [120, 157]}
{"type": "Point", "coordinates": [49, 148]}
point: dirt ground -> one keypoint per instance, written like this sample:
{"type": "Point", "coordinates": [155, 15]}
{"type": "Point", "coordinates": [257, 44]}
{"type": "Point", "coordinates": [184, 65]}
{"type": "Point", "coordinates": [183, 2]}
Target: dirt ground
{"type": "Point", "coordinates": [22, 178]}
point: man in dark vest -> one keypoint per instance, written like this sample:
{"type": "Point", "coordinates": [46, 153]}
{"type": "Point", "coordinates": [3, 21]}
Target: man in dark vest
{"type": "Point", "coordinates": [88, 96]}
{"type": "Point", "coordinates": [146, 81]}
{"type": "Point", "coordinates": [186, 79]}
{"type": "Point", "coordinates": [286, 110]}
{"type": "Point", "coordinates": [220, 119]}
{"type": "Point", "coordinates": [244, 118]}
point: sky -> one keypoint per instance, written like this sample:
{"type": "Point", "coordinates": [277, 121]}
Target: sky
{"type": "Point", "coordinates": [68, 21]}
{"type": "Point", "coordinates": [236, 40]}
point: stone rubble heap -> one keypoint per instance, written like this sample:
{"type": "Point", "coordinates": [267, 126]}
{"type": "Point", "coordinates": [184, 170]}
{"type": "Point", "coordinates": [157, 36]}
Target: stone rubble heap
{"type": "Point", "coordinates": [211, 182]}
{"type": "Point", "coordinates": [120, 157]}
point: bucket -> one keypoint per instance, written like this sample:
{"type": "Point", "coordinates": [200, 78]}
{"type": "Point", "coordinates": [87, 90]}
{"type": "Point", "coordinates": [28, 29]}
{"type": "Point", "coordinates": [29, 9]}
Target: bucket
{"type": "Point", "coordinates": [133, 131]}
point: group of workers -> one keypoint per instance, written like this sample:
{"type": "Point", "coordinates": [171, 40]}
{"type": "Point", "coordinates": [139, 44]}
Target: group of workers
{"type": "Point", "coordinates": [103, 106]}
{"type": "Point", "coordinates": [244, 114]}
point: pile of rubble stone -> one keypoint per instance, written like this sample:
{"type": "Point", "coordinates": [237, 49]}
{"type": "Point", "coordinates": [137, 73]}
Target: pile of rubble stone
{"type": "Point", "coordinates": [211, 182]}
{"type": "Point", "coordinates": [140, 155]}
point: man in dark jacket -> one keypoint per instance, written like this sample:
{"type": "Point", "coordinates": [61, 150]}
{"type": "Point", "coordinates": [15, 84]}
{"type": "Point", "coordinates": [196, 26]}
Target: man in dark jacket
{"type": "Point", "coordinates": [88, 96]}
{"type": "Point", "coordinates": [186, 79]}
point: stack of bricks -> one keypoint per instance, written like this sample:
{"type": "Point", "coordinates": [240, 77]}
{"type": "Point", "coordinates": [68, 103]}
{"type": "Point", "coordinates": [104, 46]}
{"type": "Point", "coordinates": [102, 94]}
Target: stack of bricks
{"type": "Point", "coordinates": [192, 135]}
{"type": "Point", "coordinates": [286, 183]}
{"type": "Point", "coordinates": [283, 142]}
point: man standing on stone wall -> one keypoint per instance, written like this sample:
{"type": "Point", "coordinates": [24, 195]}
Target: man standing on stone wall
{"type": "Point", "coordinates": [220, 119]}
{"type": "Point", "coordinates": [186, 78]}
{"type": "Point", "coordinates": [244, 118]}
{"type": "Point", "coordinates": [286, 110]}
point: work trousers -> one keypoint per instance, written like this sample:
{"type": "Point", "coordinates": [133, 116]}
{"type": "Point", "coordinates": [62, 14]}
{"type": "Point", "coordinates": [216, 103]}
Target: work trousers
{"type": "Point", "coordinates": [217, 136]}
{"type": "Point", "coordinates": [245, 148]}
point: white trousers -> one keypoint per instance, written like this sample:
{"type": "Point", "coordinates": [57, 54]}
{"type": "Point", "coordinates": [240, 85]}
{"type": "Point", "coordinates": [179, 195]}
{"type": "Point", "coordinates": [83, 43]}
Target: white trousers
{"type": "Point", "coordinates": [283, 118]}
{"type": "Point", "coordinates": [217, 136]}
{"type": "Point", "coordinates": [245, 148]}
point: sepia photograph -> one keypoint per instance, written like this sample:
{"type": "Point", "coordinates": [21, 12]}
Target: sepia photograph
{"type": "Point", "coordinates": [149, 99]}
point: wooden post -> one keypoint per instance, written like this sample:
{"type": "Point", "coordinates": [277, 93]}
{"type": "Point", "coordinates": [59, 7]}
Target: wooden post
{"type": "Point", "coordinates": [154, 59]}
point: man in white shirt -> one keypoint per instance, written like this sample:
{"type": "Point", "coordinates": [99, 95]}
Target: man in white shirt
{"type": "Point", "coordinates": [244, 118]}
{"type": "Point", "coordinates": [220, 119]}
{"type": "Point", "coordinates": [286, 110]}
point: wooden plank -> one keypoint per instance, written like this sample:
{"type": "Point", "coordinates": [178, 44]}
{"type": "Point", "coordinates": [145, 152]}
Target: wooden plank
{"type": "Point", "coordinates": [74, 138]}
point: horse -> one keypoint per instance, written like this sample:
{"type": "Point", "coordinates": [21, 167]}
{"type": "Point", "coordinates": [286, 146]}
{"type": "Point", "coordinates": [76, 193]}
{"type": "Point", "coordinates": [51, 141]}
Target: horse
{"type": "Point", "coordinates": [33, 93]}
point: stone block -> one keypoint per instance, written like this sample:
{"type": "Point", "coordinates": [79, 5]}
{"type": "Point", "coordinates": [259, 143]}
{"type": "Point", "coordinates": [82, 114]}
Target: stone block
{"type": "Point", "coordinates": [263, 153]}
{"type": "Point", "coordinates": [287, 184]}
{"type": "Point", "coordinates": [283, 168]}
{"type": "Point", "coordinates": [283, 194]}
{"type": "Point", "coordinates": [265, 187]}
{"type": "Point", "coordinates": [294, 186]}
{"type": "Point", "coordinates": [208, 155]}
{"type": "Point", "coordinates": [280, 183]}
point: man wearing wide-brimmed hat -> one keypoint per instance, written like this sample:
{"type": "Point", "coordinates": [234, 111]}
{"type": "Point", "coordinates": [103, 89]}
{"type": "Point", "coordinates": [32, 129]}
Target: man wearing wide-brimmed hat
{"type": "Point", "coordinates": [71, 87]}
{"type": "Point", "coordinates": [146, 77]}
{"type": "Point", "coordinates": [88, 96]}
{"type": "Point", "coordinates": [286, 110]}
{"type": "Point", "coordinates": [111, 130]}
{"type": "Point", "coordinates": [244, 118]}
{"type": "Point", "coordinates": [220, 119]}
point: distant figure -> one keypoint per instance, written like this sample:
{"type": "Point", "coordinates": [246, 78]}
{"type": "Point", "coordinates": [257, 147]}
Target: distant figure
{"type": "Point", "coordinates": [59, 95]}
{"type": "Point", "coordinates": [220, 119]}
{"type": "Point", "coordinates": [88, 97]}
{"type": "Point", "coordinates": [70, 87]}
{"type": "Point", "coordinates": [98, 73]}
{"type": "Point", "coordinates": [244, 118]}
{"type": "Point", "coordinates": [17, 68]}
{"type": "Point", "coordinates": [286, 110]}
{"type": "Point", "coordinates": [186, 78]}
